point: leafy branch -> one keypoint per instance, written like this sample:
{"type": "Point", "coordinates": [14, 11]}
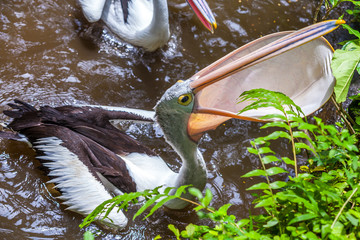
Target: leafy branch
{"type": "Point", "coordinates": [121, 202]}
{"type": "Point", "coordinates": [298, 207]}
{"type": "Point", "coordinates": [288, 112]}
{"type": "Point", "coordinates": [329, 6]}
{"type": "Point", "coordinates": [344, 63]}
{"type": "Point", "coordinates": [154, 199]}
{"type": "Point", "coordinates": [345, 60]}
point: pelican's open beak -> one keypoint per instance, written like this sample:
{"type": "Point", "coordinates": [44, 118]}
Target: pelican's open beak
{"type": "Point", "coordinates": [294, 63]}
{"type": "Point", "coordinates": [204, 13]}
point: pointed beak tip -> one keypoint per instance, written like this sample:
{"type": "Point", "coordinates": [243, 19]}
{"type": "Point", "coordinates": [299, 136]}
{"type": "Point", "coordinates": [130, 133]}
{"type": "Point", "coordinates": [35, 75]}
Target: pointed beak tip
{"type": "Point", "coordinates": [214, 24]}
{"type": "Point", "coordinates": [340, 22]}
{"type": "Point", "coordinates": [204, 13]}
{"type": "Point", "coordinates": [212, 27]}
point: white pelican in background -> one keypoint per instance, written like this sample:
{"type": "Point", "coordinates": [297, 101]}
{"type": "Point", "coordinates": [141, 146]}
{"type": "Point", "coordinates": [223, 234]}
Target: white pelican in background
{"type": "Point", "coordinates": [143, 23]}
{"type": "Point", "coordinates": [89, 159]}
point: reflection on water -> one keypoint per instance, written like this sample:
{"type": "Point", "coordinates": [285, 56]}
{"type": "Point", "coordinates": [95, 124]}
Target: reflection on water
{"type": "Point", "coordinates": [51, 55]}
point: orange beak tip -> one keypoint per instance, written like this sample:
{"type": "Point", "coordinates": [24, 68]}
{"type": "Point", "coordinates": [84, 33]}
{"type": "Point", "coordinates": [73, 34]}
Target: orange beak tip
{"type": "Point", "coordinates": [340, 21]}
{"type": "Point", "coordinates": [211, 26]}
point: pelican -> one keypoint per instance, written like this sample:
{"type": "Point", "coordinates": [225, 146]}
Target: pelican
{"type": "Point", "coordinates": [143, 23]}
{"type": "Point", "coordinates": [89, 159]}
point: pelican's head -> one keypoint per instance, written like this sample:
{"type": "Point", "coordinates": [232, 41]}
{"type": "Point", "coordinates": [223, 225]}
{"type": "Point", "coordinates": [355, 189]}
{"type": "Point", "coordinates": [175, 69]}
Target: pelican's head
{"type": "Point", "coordinates": [204, 13]}
{"type": "Point", "coordinates": [173, 111]}
{"type": "Point", "coordinates": [294, 63]}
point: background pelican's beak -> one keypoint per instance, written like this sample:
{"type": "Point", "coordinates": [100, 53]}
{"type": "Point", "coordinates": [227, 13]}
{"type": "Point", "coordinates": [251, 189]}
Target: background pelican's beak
{"type": "Point", "coordinates": [204, 13]}
{"type": "Point", "coordinates": [294, 63]}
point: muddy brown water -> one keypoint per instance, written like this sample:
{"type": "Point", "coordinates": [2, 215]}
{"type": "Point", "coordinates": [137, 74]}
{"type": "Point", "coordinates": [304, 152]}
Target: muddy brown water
{"type": "Point", "coordinates": [50, 55]}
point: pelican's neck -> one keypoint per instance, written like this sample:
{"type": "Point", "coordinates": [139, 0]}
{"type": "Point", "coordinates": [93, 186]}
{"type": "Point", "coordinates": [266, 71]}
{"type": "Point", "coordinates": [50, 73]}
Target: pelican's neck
{"type": "Point", "coordinates": [173, 118]}
{"type": "Point", "coordinates": [192, 172]}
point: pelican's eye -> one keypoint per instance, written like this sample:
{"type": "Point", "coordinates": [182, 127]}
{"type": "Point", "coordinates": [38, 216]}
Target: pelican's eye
{"type": "Point", "coordinates": [185, 99]}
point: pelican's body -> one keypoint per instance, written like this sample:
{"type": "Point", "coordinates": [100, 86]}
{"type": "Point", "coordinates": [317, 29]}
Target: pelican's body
{"type": "Point", "coordinates": [142, 23]}
{"type": "Point", "coordinates": [89, 159]}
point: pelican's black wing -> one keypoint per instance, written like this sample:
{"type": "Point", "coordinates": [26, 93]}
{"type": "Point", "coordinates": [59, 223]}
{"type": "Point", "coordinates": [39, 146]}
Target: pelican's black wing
{"type": "Point", "coordinates": [86, 132]}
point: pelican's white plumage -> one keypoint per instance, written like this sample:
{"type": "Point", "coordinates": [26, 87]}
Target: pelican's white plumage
{"type": "Point", "coordinates": [81, 191]}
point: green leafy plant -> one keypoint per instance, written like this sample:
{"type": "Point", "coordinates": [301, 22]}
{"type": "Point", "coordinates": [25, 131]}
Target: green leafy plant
{"type": "Point", "coordinates": [354, 112]}
{"type": "Point", "coordinates": [226, 226]}
{"type": "Point", "coordinates": [153, 200]}
{"type": "Point", "coordinates": [355, 12]}
{"type": "Point", "coordinates": [121, 202]}
{"type": "Point", "coordinates": [329, 6]}
{"type": "Point", "coordinates": [318, 203]}
{"type": "Point", "coordinates": [345, 62]}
